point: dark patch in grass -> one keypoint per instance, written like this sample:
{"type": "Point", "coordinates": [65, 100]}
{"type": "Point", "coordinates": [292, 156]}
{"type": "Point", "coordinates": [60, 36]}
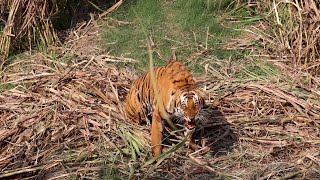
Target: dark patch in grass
{"type": "Point", "coordinates": [71, 12]}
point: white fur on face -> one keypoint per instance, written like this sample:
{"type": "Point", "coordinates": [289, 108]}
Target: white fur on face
{"type": "Point", "coordinates": [195, 99]}
{"type": "Point", "coordinates": [183, 100]}
{"type": "Point", "coordinates": [178, 111]}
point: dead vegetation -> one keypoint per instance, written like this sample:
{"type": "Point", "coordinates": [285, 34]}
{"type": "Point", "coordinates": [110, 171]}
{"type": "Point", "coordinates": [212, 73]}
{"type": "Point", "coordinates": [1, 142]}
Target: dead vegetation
{"type": "Point", "coordinates": [25, 23]}
{"type": "Point", "coordinates": [66, 120]}
{"type": "Point", "coordinates": [30, 24]}
{"type": "Point", "coordinates": [63, 119]}
{"type": "Point", "coordinates": [290, 32]}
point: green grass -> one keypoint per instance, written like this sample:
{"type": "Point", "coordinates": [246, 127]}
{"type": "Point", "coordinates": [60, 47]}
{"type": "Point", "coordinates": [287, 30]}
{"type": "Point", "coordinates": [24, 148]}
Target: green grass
{"type": "Point", "coordinates": [190, 26]}
{"type": "Point", "coordinates": [111, 173]}
{"type": "Point", "coordinates": [258, 71]}
{"type": "Point", "coordinates": [4, 87]}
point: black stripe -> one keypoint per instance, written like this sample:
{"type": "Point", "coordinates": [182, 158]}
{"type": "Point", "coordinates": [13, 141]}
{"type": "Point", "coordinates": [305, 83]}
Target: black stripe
{"type": "Point", "coordinates": [175, 81]}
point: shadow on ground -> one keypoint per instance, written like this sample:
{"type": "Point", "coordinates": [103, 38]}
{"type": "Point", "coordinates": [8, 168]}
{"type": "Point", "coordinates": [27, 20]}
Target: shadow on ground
{"type": "Point", "coordinates": [215, 132]}
{"type": "Point", "coordinates": [213, 135]}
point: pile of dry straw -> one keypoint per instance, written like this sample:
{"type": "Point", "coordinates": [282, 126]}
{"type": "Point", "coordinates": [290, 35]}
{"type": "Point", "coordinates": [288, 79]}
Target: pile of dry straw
{"type": "Point", "coordinates": [62, 119]}
{"type": "Point", "coordinates": [66, 119]}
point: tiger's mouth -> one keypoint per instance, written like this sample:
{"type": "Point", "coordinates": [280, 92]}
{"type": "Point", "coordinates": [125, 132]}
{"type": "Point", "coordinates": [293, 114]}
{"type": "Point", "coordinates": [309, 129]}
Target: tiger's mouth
{"type": "Point", "coordinates": [189, 125]}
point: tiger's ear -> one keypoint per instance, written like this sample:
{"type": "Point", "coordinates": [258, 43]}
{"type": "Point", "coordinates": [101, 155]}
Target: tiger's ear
{"type": "Point", "coordinates": [173, 55]}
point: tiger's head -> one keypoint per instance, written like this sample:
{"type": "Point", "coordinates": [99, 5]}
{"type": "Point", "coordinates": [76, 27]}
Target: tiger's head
{"type": "Point", "coordinates": [187, 108]}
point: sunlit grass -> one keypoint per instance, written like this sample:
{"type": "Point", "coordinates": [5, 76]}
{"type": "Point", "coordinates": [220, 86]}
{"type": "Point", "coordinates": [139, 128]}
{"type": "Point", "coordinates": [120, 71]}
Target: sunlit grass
{"type": "Point", "coordinates": [190, 26]}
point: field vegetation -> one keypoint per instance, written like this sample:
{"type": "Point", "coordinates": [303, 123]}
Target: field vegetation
{"type": "Point", "coordinates": [66, 67]}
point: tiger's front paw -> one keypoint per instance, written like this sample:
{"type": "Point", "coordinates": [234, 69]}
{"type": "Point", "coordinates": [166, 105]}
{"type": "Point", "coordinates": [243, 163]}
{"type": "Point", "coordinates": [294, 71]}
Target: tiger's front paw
{"type": "Point", "coordinates": [193, 146]}
{"type": "Point", "coordinates": [156, 151]}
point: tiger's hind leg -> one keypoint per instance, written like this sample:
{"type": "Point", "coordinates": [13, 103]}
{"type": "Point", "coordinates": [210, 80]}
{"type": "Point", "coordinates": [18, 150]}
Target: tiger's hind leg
{"type": "Point", "coordinates": [156, 133]}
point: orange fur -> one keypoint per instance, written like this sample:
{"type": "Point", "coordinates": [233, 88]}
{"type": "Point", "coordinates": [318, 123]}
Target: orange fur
{"type": "Point", "coordinates": [172, 81]}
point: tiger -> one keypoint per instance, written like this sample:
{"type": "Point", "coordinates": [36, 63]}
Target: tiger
{"type": "Point", "coordinates": [178, 93]}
